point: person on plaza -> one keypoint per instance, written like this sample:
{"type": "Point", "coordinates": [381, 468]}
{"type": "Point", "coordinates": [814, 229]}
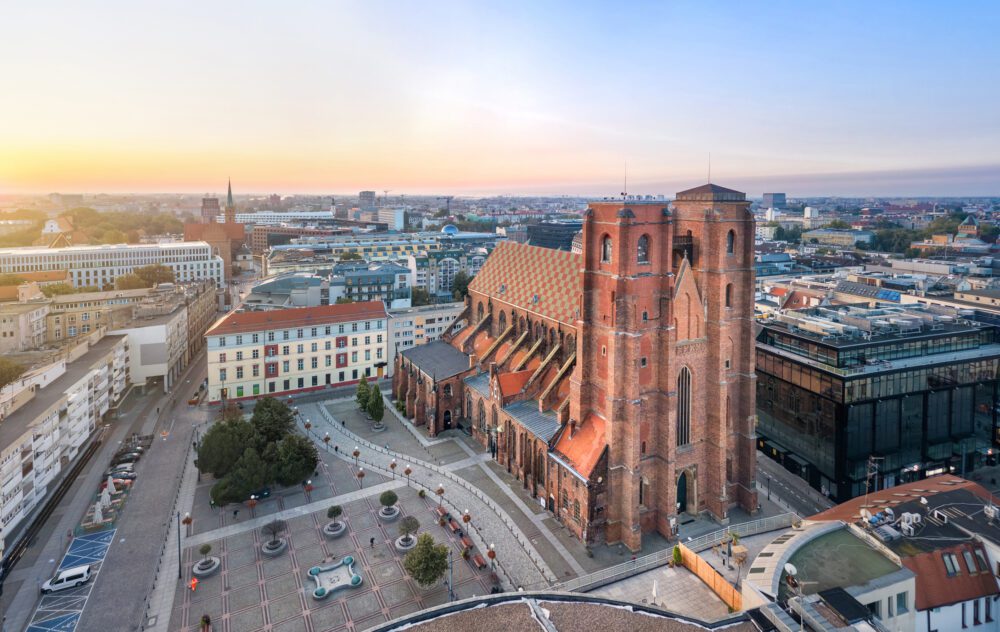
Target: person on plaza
{"type": "Point", "coordinates": [236, 513]}
{"type": "Point", "coordinates": [371, 542]}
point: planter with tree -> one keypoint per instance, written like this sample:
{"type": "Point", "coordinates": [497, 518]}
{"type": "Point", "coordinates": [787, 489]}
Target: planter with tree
{"type": "Point", "coordinates": [337, 527]}
{"type": "Point", "coordinates": [206, 623]}
{"type": "Point", "coordinates": [376, 408]}
{"type": "Point", "coordinates": [427, 562]}
{"type": "Point", "coordinates": [206, 565]}
{"type": "Point", "coordinates": [361, 396]}
{"type": "Point", "coordinates": [275, 544]}
{"type": "Point", "coordinates": [389, 510]}
{"type": "Point", "coordinates": [407, 527]}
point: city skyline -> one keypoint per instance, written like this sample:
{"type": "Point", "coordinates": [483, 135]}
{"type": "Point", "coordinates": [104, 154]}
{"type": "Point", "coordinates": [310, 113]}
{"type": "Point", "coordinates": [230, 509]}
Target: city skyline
{"type": "Point", "coordinates": [464, 98]}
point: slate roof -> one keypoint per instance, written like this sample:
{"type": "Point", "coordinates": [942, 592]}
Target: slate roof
{"type": "Point", "coordinates": [712, 192]}
{"type": "Point", "coordinates": [438, 359]}
{"type": "Point", "coordinates": [480, 383]}
{"type": "Point", "coordinates": [542, 425]}
{"type": "Point", "coordinates": [541, 280]}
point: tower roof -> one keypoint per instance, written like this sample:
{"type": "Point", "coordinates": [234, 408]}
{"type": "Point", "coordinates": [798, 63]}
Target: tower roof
{"type": "Point", "coordinates": [229, 196]}
{"type": "Point", "coordinates": [712, 193]}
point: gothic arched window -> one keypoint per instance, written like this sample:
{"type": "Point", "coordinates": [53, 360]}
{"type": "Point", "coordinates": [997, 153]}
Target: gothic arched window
{"type": "Point", "coordinates": [503, 323]}
{"type": "Point", "coordinates": [730, 242]}
{"type": "Point", "coordinates": [482, 417]}
{"type": "Point", "coordinates": [479, 313]}
{"type": "Point", "coordinates": [642, 250]}
{"type": "Point", "coordinates": [606, 249]}
{"type": "Point", "coordinates": [684, 407]}
{"type": "Point", "coordinates": [729, 295]}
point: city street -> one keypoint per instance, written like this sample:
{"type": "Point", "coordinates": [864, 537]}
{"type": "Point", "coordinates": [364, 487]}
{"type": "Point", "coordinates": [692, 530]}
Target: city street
{"type": "Point", "coordinates": [783, 487]}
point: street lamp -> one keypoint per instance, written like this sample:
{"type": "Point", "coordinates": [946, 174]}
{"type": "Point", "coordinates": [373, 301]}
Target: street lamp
{"type": "Point", "coordinates": [356, 453]}
{"type": "Point", "coordinates": [392, 466]}
{"type": "Point", "coordinates": [252, 503]}
{"type": "Point", "coordinates": [407, 471]}
{"type": "Point", "coordinates": [308, 488]}
{"type": "Point", "coordinates": [466, 517]}
{"type": "Point", "coordinates": [492, 554]}
{"type": "Point", "coordinates": [307, 425]}
{"type": "Point", "coordinates": [326, 441]}
{"type": "Point", "coordinates": [361, 476]}
{"type": "Point", "coordinates": [769, 488]}
{"type": "Point", "coordinates": [440, 493]}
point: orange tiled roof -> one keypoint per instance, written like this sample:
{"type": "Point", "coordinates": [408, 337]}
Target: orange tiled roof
{"type": "Point", "coordinates": [512, 383]}
{"type": "Point", "coordinates": [482, 342]}
{"type": "Point", "coordinates": [541, 280]}
{"type": "Point", "coordinates": [583, 450]}
{"type": "Point", "coordinates": [459, 340]}
{"type": "Point", "coordinates": [297, 317]}
{"type": "Point", "coordinates": [8, 293]}
{"type": "Point", "coordinates": [935, 588]}
{"type": "Point", "coordinates": [44, 276]}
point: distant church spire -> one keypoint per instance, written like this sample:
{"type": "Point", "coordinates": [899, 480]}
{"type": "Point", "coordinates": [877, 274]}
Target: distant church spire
{"type": "Point", "coordinates": [229, 196]}
{"type": "Point", "coordinates": [230, 212]}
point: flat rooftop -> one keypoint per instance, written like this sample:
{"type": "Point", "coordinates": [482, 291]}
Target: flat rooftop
{"type": "Point", "coordinates": [17, 422]}
{"type": "Point", "coordinates": [838, 558]}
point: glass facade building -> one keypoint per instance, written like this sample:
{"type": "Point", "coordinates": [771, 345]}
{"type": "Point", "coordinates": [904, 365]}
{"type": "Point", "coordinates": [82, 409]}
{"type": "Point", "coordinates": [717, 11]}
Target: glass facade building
{"type": "Point", "coordinates": [912, 387]}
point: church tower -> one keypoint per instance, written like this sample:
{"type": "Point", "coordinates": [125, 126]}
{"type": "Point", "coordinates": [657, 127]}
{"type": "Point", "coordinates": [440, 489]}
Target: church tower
{"type": "Point", "coordinates": [665, 356]}
{"type": "Point", "coordinates": [230, 212]}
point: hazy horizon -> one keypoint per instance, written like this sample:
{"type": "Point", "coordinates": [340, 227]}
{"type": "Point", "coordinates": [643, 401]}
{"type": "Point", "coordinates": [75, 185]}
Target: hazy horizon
{"type": "Point", "coordinates": [467, 98]}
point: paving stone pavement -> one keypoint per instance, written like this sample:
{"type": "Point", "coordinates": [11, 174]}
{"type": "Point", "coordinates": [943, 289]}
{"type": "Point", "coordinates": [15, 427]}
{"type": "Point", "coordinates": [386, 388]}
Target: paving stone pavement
{"type": "Point", "coordinates": [520, 562]}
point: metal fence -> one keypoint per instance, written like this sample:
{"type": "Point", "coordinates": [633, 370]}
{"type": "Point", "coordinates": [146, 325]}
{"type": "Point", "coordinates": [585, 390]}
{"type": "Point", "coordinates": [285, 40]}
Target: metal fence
{"type": "Point", "coordinates": [654, 560]}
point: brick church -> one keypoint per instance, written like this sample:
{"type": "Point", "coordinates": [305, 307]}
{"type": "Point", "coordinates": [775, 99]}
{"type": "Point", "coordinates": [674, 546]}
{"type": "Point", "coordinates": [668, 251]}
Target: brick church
{"type": "Point", "coordinates": [617, 385]}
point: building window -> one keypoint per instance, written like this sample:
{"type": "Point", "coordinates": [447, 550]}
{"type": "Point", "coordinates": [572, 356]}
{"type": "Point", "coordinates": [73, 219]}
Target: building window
{"type": "Point", "coordinates": [684, 407]}
{"type": "Point", "coordinates": [300, 364]}
{"type": "Point", "coordinates": [730, 242]}
{"type": "Point", "coordinates": [729, 295]}
{"type": "Point", "coordinates": [222, 341]}
{"type": "Point", "coordinates": [642, 362]}
{"type": "Point", "coordinates": [950, 564]}
{"type": "Point", "coordinates": [606, 249]}
{"type": "Point", "coordinates": [256, 371]}
{"type": "Point", "coordinates": [239, 355]}
{"type": "Point", "coordinates": [642, 250]}
{"type": "Point", "coordinates": [239, 373]}
{"type": "Point", "coordinates": [222, 375]}
{"type": "Point", "coordinates": [576, 510]}
{"type": "Point", "coordinates": [222, 357]}
{"type": "Point", "coordinates": [901, 606]}
{"type": "Point", "coordinates": [255, 354]}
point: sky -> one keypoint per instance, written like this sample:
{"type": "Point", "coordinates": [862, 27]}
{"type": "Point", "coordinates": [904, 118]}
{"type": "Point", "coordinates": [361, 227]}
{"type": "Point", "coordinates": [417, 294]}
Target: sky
{"type": "Point", "coordinates": [468, 98]}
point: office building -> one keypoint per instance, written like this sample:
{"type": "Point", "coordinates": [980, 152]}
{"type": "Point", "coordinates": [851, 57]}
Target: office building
{"type": "Point", "coordinates": [908, 390]}
{"type": "Point", "coordinates": [843, 238]}
{"type": "Point", "coordinates": [775, 200]}
{"type": "Point", "coordinates": [366, 201]}
{"type": "Point", "coordinates": [99, 266]}
{"type": "Point", "coordinates": [210, 210]}
{"type": "Point", "coordinates": [359, 281]}
{"type": "Point", "coordinates": [277, 352]}
{"type": "Point", "coordinates": [556, 234]}
{"type": "Point", "coordinates": [393, 218]}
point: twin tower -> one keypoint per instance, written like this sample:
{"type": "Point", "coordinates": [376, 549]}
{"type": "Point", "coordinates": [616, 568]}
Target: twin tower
{"type": "Point", "coordinates": [665, 356]}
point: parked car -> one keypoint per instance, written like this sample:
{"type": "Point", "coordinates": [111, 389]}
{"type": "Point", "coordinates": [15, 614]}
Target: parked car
{"type": "Point", "coordinates": [120, 477]}
{"type": "Point", "coordinates": [69, 578]}
{"type": "Point", "coordinates": [123, 467]}
{"type": "Point", "coordinates": [262, 493]}
{"type": "Point", "coordinates": [128, 457]}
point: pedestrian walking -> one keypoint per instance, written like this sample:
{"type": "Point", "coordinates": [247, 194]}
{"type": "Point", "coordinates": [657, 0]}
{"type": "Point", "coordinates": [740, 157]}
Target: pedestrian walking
{"type": "Point", "coordinates": [371, 542]}
{"type": "Point", "coordinates": [236, 513]}
{"type": "Point", "coordinates": [343, 422]}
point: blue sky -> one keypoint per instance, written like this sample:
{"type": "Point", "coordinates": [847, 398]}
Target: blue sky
{"type": "Point", "coordinates": [843, 98]}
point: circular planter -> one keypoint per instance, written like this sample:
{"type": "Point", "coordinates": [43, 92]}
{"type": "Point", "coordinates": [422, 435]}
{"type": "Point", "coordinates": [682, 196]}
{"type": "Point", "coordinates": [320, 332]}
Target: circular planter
{"type": "Point", "coordinates": [205, 567]}
{"type": "Point", "coordinates": [356, 580]}
{"type": "Point", "coordinates": [379, 427]}
{"type": "Point", "coordinates": [335, 529]}
{"type": "Point", "coordinates": [388, 514]}
{"type": "Point", "coordinates": [274, 549]}
{"type": "Point", "coordinates": [402, 546]}
{"type": "Point", "coordinates": [319, 593]}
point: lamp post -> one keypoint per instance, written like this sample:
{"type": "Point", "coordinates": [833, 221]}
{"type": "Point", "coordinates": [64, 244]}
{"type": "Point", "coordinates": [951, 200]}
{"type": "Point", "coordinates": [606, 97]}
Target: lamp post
{"type": "Point", "coordinates": [326, 441]}
{"type": "Point", "coordinates": [769, 488]}
{"type": "Point", "coordinates": [361, 476]}
{"type": "Point", "coordinates": [356, 454]}
{"type": "Point", "coordinates": [466, 518]}
{"type": "Point", "coordinates": [307, 425]}
{"type": "Point", "coordinates": [492, 554]}
{"type": "Point", "coordinates": [252, 503]}
{"type": "Point", "coordinates": [392, 466]}
{"type": "Point", "coordinates": [440, 493]}
{"type": "Point", "coordinates": [407, 471]}
{"type": "Point", "coordinates": [308, 487]}
{"type": "Point", "coordinates": [179, 575]}
{"type": "Point", "coordinates": [451, 566]}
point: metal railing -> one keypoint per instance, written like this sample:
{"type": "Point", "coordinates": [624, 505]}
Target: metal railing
{"type": "Point", "coordinates": [659, 558]}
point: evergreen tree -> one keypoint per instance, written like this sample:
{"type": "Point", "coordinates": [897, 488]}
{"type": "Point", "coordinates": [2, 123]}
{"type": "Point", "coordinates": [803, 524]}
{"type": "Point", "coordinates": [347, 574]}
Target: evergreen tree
{"type": "Point", "coordinates": [297, 460]}
{"type": "Point", "coordinates": [223, 445]}
{"type": "Point", "coordinates": [362, 395]}
{"type": "Point", "coordinates": [375, 407]}
{"type": "Point", "coordinates": [272, 419]}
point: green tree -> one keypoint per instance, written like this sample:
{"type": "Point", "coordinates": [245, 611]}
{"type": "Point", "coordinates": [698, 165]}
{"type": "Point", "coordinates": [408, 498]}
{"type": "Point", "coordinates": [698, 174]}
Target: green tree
{"type": "Point", "coordinates": [839, 224]}
{"type": "Point", "coordinates": [56, 289]}
{"type": "Point", "coordinates": [460, 285]}
{"type": "Point", "coordinates": [114, 236]}
{"type": "Point", "coordinates": [375, 406]}
{"type": "Point", "coordinates": [272, 419]}
{"type": "Point", "coordinates": [407, 527]}
{"type": "Point", "coordinates": [10, 371]}
{"type": "Point", "coordinates": [419, 296]}
{"type": "Point", "coordinates": [223, 445]}
{"type": "Point", "coordinates": [334, 512]}
{"type": "Point", "coordinates": [350, 256]}
{"type": "Point", "coordinates": [11, 279]}
{"type": "Point", "coordinates": [427, 562]}
{"type": "Point", "coordinates": [156, 273]}
{"type": "Point", "coordinates": [388, 498]}
{"type": "Point", "coordinates": [361, 396]}
{"type": "Point", "coordinates": [343, 300]}
{"type": "Point", "coordinates": [205, 549]}
{"type": "Point", "coordinates": [273, 530]}
{"type": "Point", "coordinates": [130, 282]}
{"type": "Point", "coordinates": [297, 460]}
{"type": "Point", "coordinates": [249, 474]}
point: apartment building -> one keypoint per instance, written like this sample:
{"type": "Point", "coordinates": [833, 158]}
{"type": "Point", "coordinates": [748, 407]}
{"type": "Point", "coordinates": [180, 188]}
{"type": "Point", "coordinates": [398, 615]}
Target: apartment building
{"type": "Point", "coordinates": [73, 315]}
{"type": "Point", "coordinates": [202, 309]}
{"type": "Point", "coordinates": [48, 417]}
{"type": "Point", "coordinates": [282, 351]}
{"type": "Point", "coordinates": [158, 338]}
{"type": "Point", "coordinates": [435, 270]}
{"type": "Point", "coordinates": [100, 265]}
{"type": "Point", "coordinates": [22, 326]}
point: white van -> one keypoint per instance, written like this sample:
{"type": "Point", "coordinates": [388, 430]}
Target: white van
{"type": "Point", "coordinates": [69, 578]}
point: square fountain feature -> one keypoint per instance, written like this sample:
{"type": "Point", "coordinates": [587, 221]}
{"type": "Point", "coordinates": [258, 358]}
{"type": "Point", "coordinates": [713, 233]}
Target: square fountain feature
{"type": "Point", "coordinates": [330, 579]}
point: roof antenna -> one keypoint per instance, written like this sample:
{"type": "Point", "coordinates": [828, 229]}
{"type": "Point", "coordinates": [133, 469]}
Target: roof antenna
{"type": "Point", "coordinates": [625, 185]}
{"type": "Point", "coordinates": [710, 167]}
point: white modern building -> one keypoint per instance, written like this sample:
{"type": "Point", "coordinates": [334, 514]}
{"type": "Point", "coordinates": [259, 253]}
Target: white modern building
{"type": "Point", "coordinates": [158, 344]}
{"type": "Point", "coordinates": [100, 265]}
{"type": "Point", "coordinates": [275, 218]}
{"type": "Point", "coordinates": [48, 418]}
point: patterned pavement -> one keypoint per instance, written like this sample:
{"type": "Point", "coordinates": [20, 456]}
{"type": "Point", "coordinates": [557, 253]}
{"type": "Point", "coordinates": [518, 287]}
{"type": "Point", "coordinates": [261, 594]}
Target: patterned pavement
{"type": "Point", "coordinates": [61, 611]}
